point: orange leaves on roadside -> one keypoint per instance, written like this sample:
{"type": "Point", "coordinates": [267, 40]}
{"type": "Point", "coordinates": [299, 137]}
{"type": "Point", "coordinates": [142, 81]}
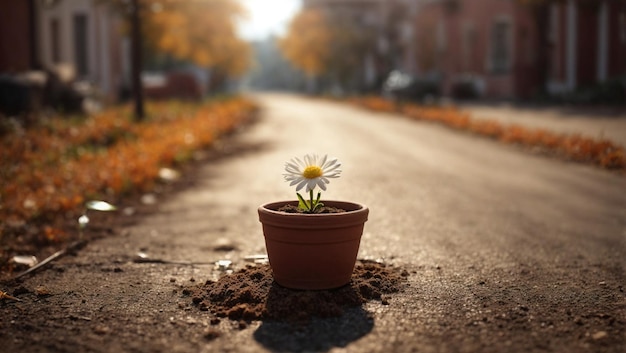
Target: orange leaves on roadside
{"type": "Point", "coordinates": [603, 153]}
{"type": "Point", "coordinates": [376, 104]}
{"type": "Point", "coordinates": [52, 169]}
{"type": "Point", "coordinates": [53, 235]}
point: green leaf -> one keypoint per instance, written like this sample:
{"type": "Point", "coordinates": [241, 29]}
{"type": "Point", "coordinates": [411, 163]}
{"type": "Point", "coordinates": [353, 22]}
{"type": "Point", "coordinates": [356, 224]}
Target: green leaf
{"type": "Point", "coordinates": [302, 204]}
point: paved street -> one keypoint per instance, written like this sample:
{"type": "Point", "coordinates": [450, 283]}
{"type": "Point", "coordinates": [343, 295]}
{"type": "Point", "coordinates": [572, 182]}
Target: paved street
{"type": "Point", "coordinates": [508, 251]}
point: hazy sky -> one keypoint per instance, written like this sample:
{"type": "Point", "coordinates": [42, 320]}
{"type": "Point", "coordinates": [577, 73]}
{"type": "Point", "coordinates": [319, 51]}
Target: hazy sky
{"type": "Point", "coordinates": [267, 17]}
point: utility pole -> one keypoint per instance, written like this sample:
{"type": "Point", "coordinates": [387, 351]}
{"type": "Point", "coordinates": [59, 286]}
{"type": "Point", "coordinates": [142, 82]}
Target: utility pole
{"type": "Point", "coordinates": [136, 61]}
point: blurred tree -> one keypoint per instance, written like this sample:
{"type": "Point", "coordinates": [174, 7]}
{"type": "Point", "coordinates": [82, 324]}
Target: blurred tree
{"type": "Point", "coordinates": [307, 42]}
{"type": "Point", "coordinates": [199, 31]}
{"type": "Point", "coordinates": [328, 45]}
{"type": "Point", "coordinates": [351, 42]}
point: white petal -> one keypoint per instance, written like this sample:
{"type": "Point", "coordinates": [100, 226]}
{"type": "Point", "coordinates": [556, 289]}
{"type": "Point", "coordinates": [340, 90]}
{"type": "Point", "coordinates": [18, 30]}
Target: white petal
{"type": "Point", "coordinates": [292, 167]}
{"type": "Point", "coordinates": [323, 161]}
{"type": "Point", "coordinates": [333, 166]}
{"type": "Point", "coordinates": [292, 172]}
{"type": "Point", "coordinates": [330, 163]}
{"type": "Point", "coordinates": [297, 161]}
{"type": "Point", "coordinates": [295, 181]}
{"type": "Point", "coordinates": [302, 184]}
{"type": "Point", "coordinates": [292, 175]}
{"type": "Point", "coordinates": [321, 185]}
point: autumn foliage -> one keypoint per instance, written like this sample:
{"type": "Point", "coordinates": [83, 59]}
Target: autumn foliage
{"type": "Point", "coordinates": [200, 31]}
{"type": "Point", "coordinates": [603, 153]}
{"type": "Point", "coordinates": [308, 41]}
{"type": "Point", "coordinates": [329, 45]}
{"type": "Point", "coordinates": [49, 171]}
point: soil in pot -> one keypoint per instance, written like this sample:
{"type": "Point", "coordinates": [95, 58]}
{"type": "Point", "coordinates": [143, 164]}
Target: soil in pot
{"type": "Point", "coordinates": [295, 209]}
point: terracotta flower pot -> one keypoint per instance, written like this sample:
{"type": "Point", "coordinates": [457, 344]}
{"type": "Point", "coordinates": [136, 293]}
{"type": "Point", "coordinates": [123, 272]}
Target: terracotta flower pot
{"type": "Point", "coordinates": [313, 251]}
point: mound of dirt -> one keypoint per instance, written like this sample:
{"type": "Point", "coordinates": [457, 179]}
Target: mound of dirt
{"type": "Point", "coordinates": [251, 294]}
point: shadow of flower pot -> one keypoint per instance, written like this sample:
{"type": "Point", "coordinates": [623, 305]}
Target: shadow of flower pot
{"type": "Point", "coordinates": [318, 335]}
{"type": "Point", "coordinates": [313, 320]}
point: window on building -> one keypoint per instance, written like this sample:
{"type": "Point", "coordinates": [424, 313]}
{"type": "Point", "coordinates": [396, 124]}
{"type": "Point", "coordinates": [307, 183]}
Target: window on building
{"type": "Point", "coordinates": [469, 47]}
{"type": "Point", "coordinates": [440, 36]}
{"type": "Point", "coordinates": [55, 40]}
{"type": "Point", "coordinates": [80, 44]}
{"type": "Point", "coordinates": [500, 46]}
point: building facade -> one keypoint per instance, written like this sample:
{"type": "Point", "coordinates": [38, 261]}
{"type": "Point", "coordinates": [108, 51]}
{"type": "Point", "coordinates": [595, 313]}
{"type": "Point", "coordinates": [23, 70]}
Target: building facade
{"type": "Point", "coordinates": [82, 38]}
{"type": "Point", "coordinates": [79, 40]}
{"type": "Point", "coordinates": [504, 50]}
{"type": "Point", "coordinates": [587, 44]}
{"type": "Point", "coordinates": [495, 49]}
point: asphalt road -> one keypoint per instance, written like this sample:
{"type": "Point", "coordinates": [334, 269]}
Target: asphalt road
{"type": "Point", "coordinates": [507, 251]}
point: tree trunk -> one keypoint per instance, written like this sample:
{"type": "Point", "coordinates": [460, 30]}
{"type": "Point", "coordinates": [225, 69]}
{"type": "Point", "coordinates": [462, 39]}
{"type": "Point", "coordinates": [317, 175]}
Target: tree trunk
{"type": "Point", "coordinates": [136, 61]}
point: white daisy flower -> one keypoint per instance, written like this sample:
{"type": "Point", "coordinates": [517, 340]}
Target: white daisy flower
{"type": "Point", "coordinates": [311, 172]}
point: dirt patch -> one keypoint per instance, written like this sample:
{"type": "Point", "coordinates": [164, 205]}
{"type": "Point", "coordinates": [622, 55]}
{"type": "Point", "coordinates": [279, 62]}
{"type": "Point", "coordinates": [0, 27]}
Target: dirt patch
{"type": "Point", "coordinates": [251, 294]}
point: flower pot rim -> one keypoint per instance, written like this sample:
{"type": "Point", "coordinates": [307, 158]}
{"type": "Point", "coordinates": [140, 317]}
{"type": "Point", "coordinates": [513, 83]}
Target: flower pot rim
{"type": "Point", "coordinates": [354, 207]}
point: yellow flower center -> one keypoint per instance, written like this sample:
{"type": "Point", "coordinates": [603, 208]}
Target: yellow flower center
{"type": "Point", "coordinates": [312, 172]}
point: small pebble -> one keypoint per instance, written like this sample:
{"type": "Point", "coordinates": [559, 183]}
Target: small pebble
{"type": "Point", "coordinates": [101, 330]}
{"type": "Point", "coordinates": [599, 335]}
{"type": "Point", "coordinates": [224, 244]}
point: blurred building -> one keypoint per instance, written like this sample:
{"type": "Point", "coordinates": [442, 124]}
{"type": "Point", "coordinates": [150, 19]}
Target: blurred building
{"type": "Point", "coordinates": [504, 49]}
{"type": "Point", "coordinates": [77, 40]}
{"type": "Point", "coordinates": [476, 47]}
{"type": "Point", "coordinates": [500, 49]}
{"type": "Point", "coordinates": [83, 37]}
{"type": "Point", "coordinates": [586, 43]}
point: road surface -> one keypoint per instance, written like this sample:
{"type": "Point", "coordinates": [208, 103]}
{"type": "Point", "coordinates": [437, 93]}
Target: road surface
{"type": "Point", "coordinates": [507, 251]}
